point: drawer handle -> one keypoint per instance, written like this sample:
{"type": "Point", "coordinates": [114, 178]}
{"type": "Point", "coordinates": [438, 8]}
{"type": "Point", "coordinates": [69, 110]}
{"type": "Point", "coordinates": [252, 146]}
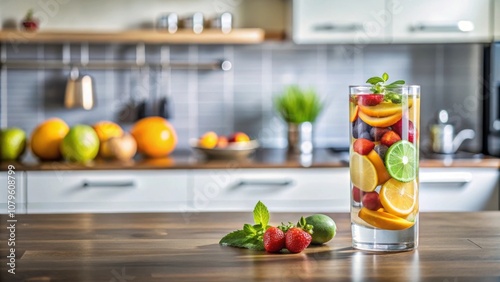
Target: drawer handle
{"type": "Point", "coordinates": [91, 184]}
{"type": "Point", "coordinates": [460, 26]}
{"type": "Point", "coordinates": [338, 27]}
{"type": "Point", "coordinates": [451, 178]}
{"type": "Point", "coordinates": [265, 182]}
{"type": "Point", "coordinates": [460, 183]}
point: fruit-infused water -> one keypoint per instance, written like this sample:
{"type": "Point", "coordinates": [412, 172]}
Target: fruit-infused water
{"type": "Point", "coordinates": [384, 155]}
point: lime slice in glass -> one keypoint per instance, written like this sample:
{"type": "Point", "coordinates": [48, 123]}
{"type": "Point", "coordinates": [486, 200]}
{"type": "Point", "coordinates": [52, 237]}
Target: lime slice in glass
{"type": "Point", "coordinates": [401, 161]}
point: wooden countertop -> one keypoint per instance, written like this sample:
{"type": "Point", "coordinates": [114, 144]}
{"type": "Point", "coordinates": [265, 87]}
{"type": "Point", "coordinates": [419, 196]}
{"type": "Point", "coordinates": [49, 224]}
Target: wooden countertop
{"type": "Point", "coordinates": [184, 247]}
{"type": "Point", "coordinates": [263, 158]}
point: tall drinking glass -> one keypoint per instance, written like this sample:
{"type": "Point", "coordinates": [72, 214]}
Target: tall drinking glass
{"type": "Point", "coordinates": [384, 155]}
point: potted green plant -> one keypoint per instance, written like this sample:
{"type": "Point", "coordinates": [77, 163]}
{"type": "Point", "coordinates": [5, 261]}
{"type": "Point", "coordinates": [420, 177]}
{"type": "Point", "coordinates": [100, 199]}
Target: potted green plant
{"type": "Point", "coordinates": [299, 108]}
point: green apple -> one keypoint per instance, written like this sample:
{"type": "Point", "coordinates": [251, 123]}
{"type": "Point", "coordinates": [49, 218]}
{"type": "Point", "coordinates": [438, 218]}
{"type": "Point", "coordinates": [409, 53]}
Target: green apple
{"type": "Point", "coordinates": [12, 143]}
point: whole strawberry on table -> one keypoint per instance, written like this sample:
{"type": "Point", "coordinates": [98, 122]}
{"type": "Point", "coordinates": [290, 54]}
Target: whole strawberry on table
{"type": "Point", "coordinates": [293, 238]}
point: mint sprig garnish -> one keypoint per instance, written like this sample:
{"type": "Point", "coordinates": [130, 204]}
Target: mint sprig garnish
{"type": "Point", "coordinates": [380, 86]}
{"type": "Point", "coordinates": [260, 214]}
{"type": "Point", "coordinates": [250, 236]}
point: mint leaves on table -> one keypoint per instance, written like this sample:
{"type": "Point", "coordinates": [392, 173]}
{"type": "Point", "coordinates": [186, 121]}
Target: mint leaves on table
{"type": "Point", "coordinates": [380, 86]}
{"type": "Point", "coordinates": [250, 236]}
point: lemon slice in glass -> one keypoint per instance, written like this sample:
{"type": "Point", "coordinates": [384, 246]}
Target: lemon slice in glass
{"type": "Point", "coordinates": [363, 172]}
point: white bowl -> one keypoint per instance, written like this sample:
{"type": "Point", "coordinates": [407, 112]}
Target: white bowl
{"type": "Point", "coordinates": [234, 150]}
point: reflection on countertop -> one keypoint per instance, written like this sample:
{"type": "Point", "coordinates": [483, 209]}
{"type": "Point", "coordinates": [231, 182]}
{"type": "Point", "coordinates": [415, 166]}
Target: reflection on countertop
{"type": "Point", "coordinates": [262, 158]}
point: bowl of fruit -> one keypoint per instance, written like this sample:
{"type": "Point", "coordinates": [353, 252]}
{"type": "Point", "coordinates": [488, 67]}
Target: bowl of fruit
{"type": "Point", "coordinates": [235, 146]}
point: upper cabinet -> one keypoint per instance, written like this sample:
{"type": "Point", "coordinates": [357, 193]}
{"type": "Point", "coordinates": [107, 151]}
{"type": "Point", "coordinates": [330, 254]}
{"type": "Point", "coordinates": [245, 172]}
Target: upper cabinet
{"type": "Point", "coordinates": [440, 21]}
{"type": "Point", "coordinates": [338, 21]}
{"type": "Point", "coordinates": [391, 21]}
{"type": "Point", "coordinates": [496, 20]}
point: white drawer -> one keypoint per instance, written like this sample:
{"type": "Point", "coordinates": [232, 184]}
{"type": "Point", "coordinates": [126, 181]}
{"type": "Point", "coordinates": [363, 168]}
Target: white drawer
{"type": "Point", "coordinates": [19, 188]}
{"type": "Point", "coordinates": [458, 189]}
{"type": "Point", "coordinates": [313, 190]}
{"type": "Point", "coordinates": [444, 21]}
{"type": "Point", "coordinates": [106, 191]}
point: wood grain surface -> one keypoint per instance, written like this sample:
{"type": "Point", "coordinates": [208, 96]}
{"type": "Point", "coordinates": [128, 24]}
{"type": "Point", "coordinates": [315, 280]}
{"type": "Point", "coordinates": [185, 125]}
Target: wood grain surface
{"type": "Point", "coordinates": [184, 247]}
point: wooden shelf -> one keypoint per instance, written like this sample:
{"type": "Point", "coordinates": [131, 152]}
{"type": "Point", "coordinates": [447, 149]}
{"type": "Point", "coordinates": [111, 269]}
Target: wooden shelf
{"type": "Point", "coordinates": [209, 36]}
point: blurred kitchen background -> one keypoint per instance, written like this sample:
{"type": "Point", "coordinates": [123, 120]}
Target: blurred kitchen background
{"type": "Point", "coordinates": [448, 68]}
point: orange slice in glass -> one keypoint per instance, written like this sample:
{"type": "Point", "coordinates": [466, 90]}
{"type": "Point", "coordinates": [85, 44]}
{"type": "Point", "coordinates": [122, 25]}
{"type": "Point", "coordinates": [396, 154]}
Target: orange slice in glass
{"type": "Point", "coordinates": [380, 121]}
{"type": "Point", "coordinates": [353, 111]}
{"type": "Point", "coordinates": [377, 161]}
{"type": "Point", "coordinates": [384, 220]}
{"type": "Point", "coordinates": [398, 198]}
{"type": "Point", "coordinates": [384, 109]}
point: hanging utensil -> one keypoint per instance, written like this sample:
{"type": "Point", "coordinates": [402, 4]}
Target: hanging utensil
{"type": "Point", "coordinates": [127, 110]}
{"type": "Point", "coordinates": [143, 85]}
{"type": "Point", "coordinates": [164, 106]}
{"type": "Point", "coordinates": [142, 107]}
{"type": "Point", "coordinates": [80, 91]}
{"type": "Point", "coordinates": [70, 94]}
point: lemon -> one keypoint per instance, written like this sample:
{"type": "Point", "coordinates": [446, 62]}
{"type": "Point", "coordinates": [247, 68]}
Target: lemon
{"type": "Point", "coordinates": [208, 140]}
{"type": "Point", "coordinates": [384, 220]}
{"type": "Point", "coordinates": [363, 172]}
{"type": "Point", "coordinates": [398, 198]}
{"type": "Point", "coordinates": [324, 228]}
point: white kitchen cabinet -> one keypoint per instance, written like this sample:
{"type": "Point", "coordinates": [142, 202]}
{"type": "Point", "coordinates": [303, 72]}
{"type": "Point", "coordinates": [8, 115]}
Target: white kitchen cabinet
{"type": "Point", "coordinates": [441, 21]}
{"type": "Point", "coordinates": [392, 21]}
{"type": "Point", "coordinates": [496, 20]}
{"type": "Point", "coordinates": [281, 190]}
{"type": "Point", "coordinates": [459, 189]}
{"type": "Point", "coordinates": [61, 191]}
{"type": "Point", "coordinates": [20, 192]}
{"type": "Point", "coordinates": [338, 21]}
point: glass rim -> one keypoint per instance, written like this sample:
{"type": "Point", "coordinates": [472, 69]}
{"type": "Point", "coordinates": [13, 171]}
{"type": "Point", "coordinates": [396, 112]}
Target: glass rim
{"type": "Point", "coordinates": [399, 86]}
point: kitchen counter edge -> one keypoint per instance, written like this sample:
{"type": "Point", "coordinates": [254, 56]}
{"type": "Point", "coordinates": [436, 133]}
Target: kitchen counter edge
{"type": "Point", "coordinates": [172, 163]}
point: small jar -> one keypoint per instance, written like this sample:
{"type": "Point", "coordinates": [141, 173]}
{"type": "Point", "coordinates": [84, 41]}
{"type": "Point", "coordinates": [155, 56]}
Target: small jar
{"type": "Point", "coordinates": [223, 21]}
{"type": "Point", "coordinates": [168, 22]}
{"type": "Point", "coordinates": [196, 22]}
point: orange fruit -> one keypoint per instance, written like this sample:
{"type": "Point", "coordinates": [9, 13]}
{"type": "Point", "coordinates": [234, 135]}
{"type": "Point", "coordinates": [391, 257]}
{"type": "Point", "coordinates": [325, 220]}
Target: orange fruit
{"type": "Point", "coordinates": [47, 137]}
{"type": "Point", "coordinates": [363, 173]}
{"type": "Point", "coordinates": [107, 129]}
{"type": "Point", "coordinates": [208, 140]}
{"type": "Point", "coordinates": [380, 121]}
{"type": "Point", "coordinates": [398, 198]}
{"type": "Point", "coordinates": [384, 220]}
{"type": "Point", "coordinates": [155, 137]}
{"type": "Point", "coordinates": [222, 142]}
{"type": "Point", "coordinates": [238, 137]}
{"type": "Point", "coordinates": [384, 109]}
{"type": "Point", "coordinates": [377, 161]}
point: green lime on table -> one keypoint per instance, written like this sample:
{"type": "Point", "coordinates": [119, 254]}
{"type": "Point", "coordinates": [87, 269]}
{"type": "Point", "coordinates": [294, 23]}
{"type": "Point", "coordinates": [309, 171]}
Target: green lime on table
{"type": "Point", "coordinates": [324, 228]}
{"type": "Point", "coordinates": [401, 161]}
